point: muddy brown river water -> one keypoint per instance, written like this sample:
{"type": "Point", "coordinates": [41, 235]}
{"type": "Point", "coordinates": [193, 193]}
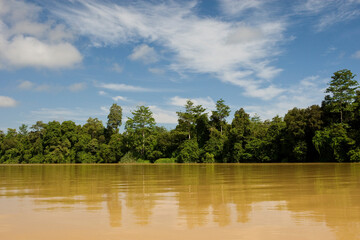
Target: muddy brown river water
{"type": "Point", "coordinates": [239, 201]}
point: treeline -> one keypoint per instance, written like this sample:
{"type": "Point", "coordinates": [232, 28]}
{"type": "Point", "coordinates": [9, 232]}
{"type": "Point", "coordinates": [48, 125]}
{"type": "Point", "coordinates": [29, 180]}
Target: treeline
{"type": "Point", "coordinates": [326, 133]}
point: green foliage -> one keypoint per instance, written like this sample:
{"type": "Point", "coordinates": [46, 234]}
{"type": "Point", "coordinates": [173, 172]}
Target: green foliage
{"type": "Point", "coordinates": [299, 151]}
{"type": "Point", "coordinates": [333, 143]}
{"type": "Point", "coordinates": [138, 128]}
{"type": "Point", "coordinates": [189, 152]}
{"type": "Point", "coordinates": [116, 147]}
{"type": "Point", "coordinates": [37, 159]}
{"type": "Point", "coordinates": [114, 118]}
{"type": "Point", "coordinates": [165, 160]}
{"type": "Point", "coordinates": [188, 118]}
{"type": "Point", "coordinates": [238, 136]}
{"type": "Point", "coordinates": [222, 112]}
{"type": "Point", "coordinates": [142, 161]}
{"type": "Point", "coordinates": [342, 88]}
{"type": "Point", "coordinates": [215, 145]}
{"type": "Point", "coordinates": [128, 158]}
{"type": "Point", "coordinates": [354, 155]}
{"type": "Point", "coordinates": [208, 158]}
{"type": "Point", "coordinates": [303, 135]}
{"type": "Point", "coordinates": [84, 157]}
{"type": "Point", "coordinates": [94, 128]}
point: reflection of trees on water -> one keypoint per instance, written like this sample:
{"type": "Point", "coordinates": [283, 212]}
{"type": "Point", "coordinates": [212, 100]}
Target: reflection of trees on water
{"type": "Point", "coordinates": [202, 193]}
{"type": "Point", "coordinates": [114, 207]}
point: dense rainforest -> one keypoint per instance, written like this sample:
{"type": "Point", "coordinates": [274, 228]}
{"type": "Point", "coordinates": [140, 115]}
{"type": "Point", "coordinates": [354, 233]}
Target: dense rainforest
{"type": "Point", "coordinates": [326, 133]}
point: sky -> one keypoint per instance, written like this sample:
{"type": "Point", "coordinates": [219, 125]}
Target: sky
{"type": "Point", "coordinates": [72, 59]}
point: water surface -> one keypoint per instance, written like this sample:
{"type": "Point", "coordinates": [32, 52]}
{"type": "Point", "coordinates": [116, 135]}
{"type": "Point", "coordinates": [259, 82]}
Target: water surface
{"type": "Point", "coordinates": [251, 201]}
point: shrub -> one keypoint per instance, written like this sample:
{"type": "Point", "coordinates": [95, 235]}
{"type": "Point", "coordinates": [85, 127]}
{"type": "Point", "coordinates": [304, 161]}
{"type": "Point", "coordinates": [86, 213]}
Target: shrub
{"type": "Point", "coordinates": [189, 152]}
{"type": "Point", "coordinates": [355, 155]}
{"type": "Point", "coordinates": [128, 158]}
{"type": "Point", "coordinates": [142, 161]}
{"type": "Point", "coordinates": [208, 158]}
{"type": "Point", "coordinates": [165, 160]}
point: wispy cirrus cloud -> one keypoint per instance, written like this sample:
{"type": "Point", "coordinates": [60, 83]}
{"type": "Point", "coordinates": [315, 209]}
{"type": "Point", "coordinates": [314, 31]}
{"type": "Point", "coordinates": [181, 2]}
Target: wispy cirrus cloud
{"type": "Point", "coordinates": [307, 92]}
{"type": "Point", "coordinates": [329, 12]}
{"type": "Point", "coordinates": [28, 85]}
{"type": "Point", "coordinates": [197, 44]}
{"type": "Point", "coordinates": [64, 114]}
{"type": "Point", "coordinates": [76, 87]}
{"type": "Point", "coordinates": [356, 55]}
{"type": "Point", "coordinates": [31, 86]}
{"type": "Point", "coordinates": [207, 102]}
{"type": "Point", "coordinates": [123, 87]}
{"type": "Point", "coordinates": [156, 70]}
{"type": "Point", "coordinates": [236, 7]}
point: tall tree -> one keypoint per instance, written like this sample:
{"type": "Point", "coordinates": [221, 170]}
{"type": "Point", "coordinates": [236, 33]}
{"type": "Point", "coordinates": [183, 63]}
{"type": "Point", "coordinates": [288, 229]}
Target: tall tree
{"type": "Point", "coordinates": [141, 122]}
{"type": "Point", "coordinates": [23, 129]}
{"type": "Point", "coordinates": [114, 118]}
{"type": "Point", "coordinates": [342, 88]}
{"type": "Point", "coordinates": [94, 127]}
{"type": "Point", "coordinates": [239, 132]}
{"type": "Point", "coordinates": [222, 112]}
{"type": "Point", "coordinates": [191, 114]}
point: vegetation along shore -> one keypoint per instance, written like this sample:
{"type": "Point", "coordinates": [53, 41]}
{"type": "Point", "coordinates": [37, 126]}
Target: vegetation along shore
{"type": "Point", "coordinates": [326, 133]}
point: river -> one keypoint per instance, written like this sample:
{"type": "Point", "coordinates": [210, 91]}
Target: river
{"type": "Point", "coordinates": [220, 201]}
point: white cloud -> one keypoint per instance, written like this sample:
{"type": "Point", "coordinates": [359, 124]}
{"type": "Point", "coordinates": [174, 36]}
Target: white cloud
{"type": "Point", "coordinates": [28, 51]}
{"type": "Point", "coordinates": [64, 114]}
{"type": "Point", "coordinates": [117, 68]}
{"type": "Point", "coordinates": [197, 44]}
{"type": "Point", "coordinates": [313, 6]}
{"type": "Point", "coordinates": [252, 88]}
{"type": "Point", "coordinates": [76, 87]}
{"type": "Point", "coordinates": [235, 7]}
{"type": "Point", "coordinates": [123, 87]}
{"type": "Point", "coordinates": [207, 102]}
{"type": "Point", "coordinates": [144, 53]}
{"type": "Point", "coordinates": [119, 98]}
{"type": "Point", "coordinates": [329, 12]}
{"type": "Point", "coordinates": [163, 116]}
{"type": "Point", "coordinates": [156, 70]}
{"type": "Point", "coordinates": [309, 81]}
{"type": "Point", "coordinates": [42, 88]}
{"type": "Point", "coordinates": [26, 85]}
{"type": "Point", "coordinates": [25, 42]}
{"type": "Point", "coordinates": [307, 92]}
{"type": "Point", "coordinates": [356, 55]}
{"type": "Point", "coordinates": [7, 102]}
{"type": "Point", "coordinates": [244, 34]}
{"type": "Point", "coordinates": [263, 93]}
{"type": "Point", "coordinates": [102, 93]}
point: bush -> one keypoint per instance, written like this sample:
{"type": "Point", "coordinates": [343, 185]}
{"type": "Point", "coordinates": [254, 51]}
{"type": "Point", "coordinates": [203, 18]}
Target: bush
{"type": "Point", "coordinates": [189, 152]}
{"type": "Point", "coordinates": [37, 159]}
{"type": "Point", "coordinates": [355, 155]}
{"type": "Point", "coordinates": [142, 161]}
{"type": "Point", "coordinates": [128, 158]}
{"type": "Point", "coordinates": [208, 158]}
{"type": "Point", "coordinates": [165, 160]}
{"type": "Point", "coordinates": [85, 157]}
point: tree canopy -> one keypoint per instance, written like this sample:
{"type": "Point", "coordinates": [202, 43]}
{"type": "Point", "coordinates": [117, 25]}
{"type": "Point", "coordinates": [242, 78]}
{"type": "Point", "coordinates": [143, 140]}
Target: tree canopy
{"type": "Point", "coordinates": [342, 89]}
{"type": "Point", "coordinates": [326, 133]}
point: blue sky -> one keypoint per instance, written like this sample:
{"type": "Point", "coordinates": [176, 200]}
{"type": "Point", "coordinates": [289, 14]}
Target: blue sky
{"type": "Point", "coordinates": [71, 59]}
